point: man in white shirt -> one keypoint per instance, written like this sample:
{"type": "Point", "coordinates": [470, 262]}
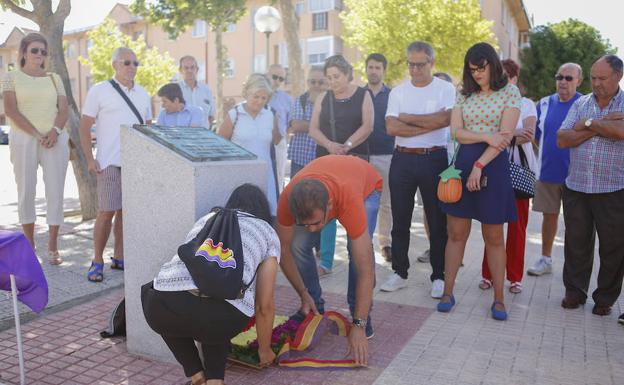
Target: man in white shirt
{"type": "Point", "coordinates": [281, 102]}
{"type": "Point", "coordinates": [106, 108]}
{"type": "Point", "coordinates": [418, 114]}
{"type": "Point", "coordinates": [195, 93]}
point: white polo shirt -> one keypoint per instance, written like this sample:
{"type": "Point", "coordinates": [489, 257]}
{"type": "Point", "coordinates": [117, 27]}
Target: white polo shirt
{"type": "Point", "coordinates": [406, 98]}
{"type": "Point", "coordinates": [201, 96]}
{"type": "Point", "coordinates": [110, 111]}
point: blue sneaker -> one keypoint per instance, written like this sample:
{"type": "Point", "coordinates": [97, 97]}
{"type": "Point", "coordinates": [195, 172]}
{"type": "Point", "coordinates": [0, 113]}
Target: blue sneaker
{"type": "Point", "coordinates": [446, 307]}
{"type": "Point", "coordinates": [499, 315]}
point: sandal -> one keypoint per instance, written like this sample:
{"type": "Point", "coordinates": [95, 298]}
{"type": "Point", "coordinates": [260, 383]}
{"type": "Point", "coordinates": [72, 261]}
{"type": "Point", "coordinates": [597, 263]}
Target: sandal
{"type": "Point", "coordinates": [485, 284]}
{"type": "Point", "coordinates": [54, 258]}
{"type": "Point", "coordinates": [117, 264]}
{"type": "Point", "coordinates": [516, 288]}
{"type": "Point", "coordinates": [322, 272]}
{"type": "Point", "coordinates": [96, 272]}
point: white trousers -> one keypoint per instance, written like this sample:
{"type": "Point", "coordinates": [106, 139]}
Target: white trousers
{"type": "Point", "coordinates": [384, 216]}
{"type": "Point", "coordinates": [26, 155]}
{"type": "Point", "coordinates": [281, 153]}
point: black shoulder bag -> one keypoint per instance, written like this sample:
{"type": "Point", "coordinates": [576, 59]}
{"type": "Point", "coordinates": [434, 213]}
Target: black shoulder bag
{"type": "Point", "coordinates": [128, 101]}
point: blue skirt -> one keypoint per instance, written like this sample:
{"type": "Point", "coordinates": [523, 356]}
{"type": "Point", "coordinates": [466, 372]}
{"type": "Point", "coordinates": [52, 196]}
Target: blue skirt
{"type": "Point", "coordinates": [494, 204]}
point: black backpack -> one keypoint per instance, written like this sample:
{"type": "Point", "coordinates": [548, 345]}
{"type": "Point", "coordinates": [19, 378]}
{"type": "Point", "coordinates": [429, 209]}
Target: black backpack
{"type": "Point", "coordinates": [214, 258]}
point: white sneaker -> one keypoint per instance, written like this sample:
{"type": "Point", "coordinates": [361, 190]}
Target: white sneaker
{"type": "Point", "coordinates": [394, 283]}
{"type": "Point", "coordinates": [540, 267]}
{"type": "Point", "coordinates": [437, 288]}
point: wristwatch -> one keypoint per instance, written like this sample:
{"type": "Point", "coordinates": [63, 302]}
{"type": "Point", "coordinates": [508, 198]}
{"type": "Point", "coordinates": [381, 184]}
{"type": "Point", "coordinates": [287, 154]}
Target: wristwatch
{"type": "Point", "coordinates": [361, 323]}
{"type": "Point", "coordinates": [589, 122]}
{"type": "Point", "coordinates": [58, 130]}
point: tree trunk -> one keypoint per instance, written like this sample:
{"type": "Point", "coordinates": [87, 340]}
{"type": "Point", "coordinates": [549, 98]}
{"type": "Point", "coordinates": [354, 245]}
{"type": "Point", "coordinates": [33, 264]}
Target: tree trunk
{"type": "Point", "coordinates": [51, 26]}
{"type": "Point", "coordinates": [291, 33]}
{"type": "Point", "coordinates": [221, 53]}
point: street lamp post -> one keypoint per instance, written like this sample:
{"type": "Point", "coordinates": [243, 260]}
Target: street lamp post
{"type": "Point", "coordinates": [267, 20]}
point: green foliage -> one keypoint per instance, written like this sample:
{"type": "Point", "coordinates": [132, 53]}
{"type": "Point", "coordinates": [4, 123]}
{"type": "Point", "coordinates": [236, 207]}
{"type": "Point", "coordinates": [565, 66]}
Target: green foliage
{"type": "Point", "coordinates": [155, 70]}
{"type": "Point", "coordinates": [389, 26]}
{"type": "Point", "coordinates": [556, 44]}
{"type": "Point", "coordinates": [175, 16]}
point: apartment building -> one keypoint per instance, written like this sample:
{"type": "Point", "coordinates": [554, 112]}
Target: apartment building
{"type": "Point", "coordinates": [320, 34]}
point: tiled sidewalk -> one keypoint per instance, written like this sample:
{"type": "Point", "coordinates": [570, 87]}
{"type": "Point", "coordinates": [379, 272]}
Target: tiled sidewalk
{"type": "Point", "coordinates": [65, 348]}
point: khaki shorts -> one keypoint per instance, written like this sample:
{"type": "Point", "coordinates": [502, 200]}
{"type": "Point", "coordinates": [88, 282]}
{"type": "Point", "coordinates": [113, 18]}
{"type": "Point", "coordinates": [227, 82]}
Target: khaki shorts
{"type": "Point", "coordinates": [109, 189]}
{"type": "Point", "coordinates": [547, 198]}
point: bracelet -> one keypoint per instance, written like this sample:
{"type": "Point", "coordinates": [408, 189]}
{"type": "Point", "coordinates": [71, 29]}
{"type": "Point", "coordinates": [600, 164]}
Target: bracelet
{"type": "Point", "coordinates": [479, 165]}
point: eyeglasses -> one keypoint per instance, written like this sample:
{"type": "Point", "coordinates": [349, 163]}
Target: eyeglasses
{"type": "Point", "coordinates": [308, 225]}
{"type": "Point", "coordinates": [314, 82]}
{"type": "Point", "coordinates": [36, 50]}
{"type": "Point", "coordinates": [479, 69]}
{"type": "Point", "coordinates": [280, 78]}
{"type": "Point", "coordinates": [567, 78]}
{"type": "Point", "coordinates": [420, 66]}
{"type": "Point", "coordinates": [128, 62]}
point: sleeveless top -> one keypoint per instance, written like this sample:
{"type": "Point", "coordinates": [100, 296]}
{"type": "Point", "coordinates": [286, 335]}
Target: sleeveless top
{"type": "Point", "coordinates": [348, 116]}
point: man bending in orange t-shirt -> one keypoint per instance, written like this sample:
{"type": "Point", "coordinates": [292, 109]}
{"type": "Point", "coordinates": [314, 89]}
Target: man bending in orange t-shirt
{"type": "Point", "coordinates": [348, 189]}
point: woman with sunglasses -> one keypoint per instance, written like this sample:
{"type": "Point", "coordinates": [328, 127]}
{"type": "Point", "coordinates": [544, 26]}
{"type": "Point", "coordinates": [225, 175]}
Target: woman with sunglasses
{"type": "Point", "coordinates": [35, 103]}
{"type": "Point", "coordinates": [516, 231]}
{"type": "Point", "coordinates": [483, 121]}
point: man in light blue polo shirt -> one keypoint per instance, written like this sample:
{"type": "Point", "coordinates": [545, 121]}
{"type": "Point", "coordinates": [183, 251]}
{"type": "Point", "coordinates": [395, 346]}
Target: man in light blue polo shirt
{"type": "Point", "coordinates": [195, 93]}
{"type": "Point", "coordinates": [553, 161]}
{"type": "Point", "coordinates": [175, 112]}
{"type": "Point", "coordinates": [281, 103]}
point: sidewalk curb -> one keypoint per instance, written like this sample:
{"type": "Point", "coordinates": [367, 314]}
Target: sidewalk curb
{"type": "Point", "coordinates": [8, 323]}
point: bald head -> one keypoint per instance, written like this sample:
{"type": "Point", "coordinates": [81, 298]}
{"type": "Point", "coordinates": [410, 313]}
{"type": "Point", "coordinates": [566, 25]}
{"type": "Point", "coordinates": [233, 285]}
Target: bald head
{"type": "Point", "coordinates": [568, 78]}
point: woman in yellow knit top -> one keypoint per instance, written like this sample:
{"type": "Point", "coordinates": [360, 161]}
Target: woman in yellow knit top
{"type": "Point", "coordinates": [35, 103]}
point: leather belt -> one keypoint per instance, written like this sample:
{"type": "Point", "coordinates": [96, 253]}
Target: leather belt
{"type": "Point", "coordinates": [419, 150]}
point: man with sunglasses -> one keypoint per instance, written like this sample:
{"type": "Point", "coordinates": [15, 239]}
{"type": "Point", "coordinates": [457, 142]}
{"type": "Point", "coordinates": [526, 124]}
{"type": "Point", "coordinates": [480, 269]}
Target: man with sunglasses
{"type": "Point", "coordinates": [553, 161]}
{"type": "Point", "coordinates": [593, 196]}
{"type": "Point", "coordinates": [196, 93]}
{"type": "Point", "coordinates": [340, 187]}
{"type": "Point", "coordinates": [105, 108]}
{"type": "Point", "coordinates": [282, 103]}
{"type": "Point", "coordinates": [418, 115]}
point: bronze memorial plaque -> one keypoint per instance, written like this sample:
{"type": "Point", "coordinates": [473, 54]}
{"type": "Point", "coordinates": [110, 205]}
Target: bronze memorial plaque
{"type": "Point", "coordinates": [196, 144]}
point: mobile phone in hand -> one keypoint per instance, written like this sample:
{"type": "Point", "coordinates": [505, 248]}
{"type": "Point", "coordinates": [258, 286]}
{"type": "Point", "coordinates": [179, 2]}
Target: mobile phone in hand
{"type": "Point", "coordinates": [483, 182]}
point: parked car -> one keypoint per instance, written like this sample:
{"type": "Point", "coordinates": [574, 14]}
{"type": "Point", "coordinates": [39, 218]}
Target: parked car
{"type": "Point", "coordinates": [4, 134]}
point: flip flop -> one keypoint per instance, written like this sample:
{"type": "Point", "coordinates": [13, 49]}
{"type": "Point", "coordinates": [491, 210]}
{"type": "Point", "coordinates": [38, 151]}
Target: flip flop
{"type": "Point", "coordinates": [117, 264]}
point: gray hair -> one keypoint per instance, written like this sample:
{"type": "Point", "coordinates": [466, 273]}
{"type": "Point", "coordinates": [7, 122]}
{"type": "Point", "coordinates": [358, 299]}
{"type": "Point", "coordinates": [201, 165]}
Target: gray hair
{"type": "Point", "coordinates": [339, 62]}
{"type": "Point", "coordinates": [576, 66]}
{"type": "Point", "coordinates": [421, 46]}
{"type": "Point", "coordinates": [118, 51]}
{"type": "Point", "coordinates": [256, 82]}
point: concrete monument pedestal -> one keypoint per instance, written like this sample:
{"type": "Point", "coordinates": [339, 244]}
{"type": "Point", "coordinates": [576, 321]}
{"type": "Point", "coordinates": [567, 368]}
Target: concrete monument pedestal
{"type": "Point", "coordinates": [166, 188]}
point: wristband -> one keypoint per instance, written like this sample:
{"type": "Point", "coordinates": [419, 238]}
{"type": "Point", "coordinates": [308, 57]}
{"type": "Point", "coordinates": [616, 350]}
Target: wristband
{"type": "Point", "coordinates": [479, 165]}
{"type": "Point", "coordinates": [58, 130]}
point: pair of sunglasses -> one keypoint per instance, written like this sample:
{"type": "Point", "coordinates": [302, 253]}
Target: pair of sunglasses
{"type": "Point", "coordinates": [280, 78]}
{"type": "Point", "coordinates": [567, 78]}
{"type": "Point", "coordinates": [128, 62]}
{"type": "Point", "coordinates": [420, 66]}
{"type": "Point", "coordinates": [35, 51]}
{"type": "Point", "coordinates": [479, 69]}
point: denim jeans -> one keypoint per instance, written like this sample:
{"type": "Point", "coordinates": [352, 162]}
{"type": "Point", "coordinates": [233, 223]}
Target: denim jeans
{"type": "Point", "coordinates": [303, 242]}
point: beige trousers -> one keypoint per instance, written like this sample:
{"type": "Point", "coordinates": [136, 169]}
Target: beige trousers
{"type": "Point", "coordinates": [384, 217]}
{"type": "Point", "coordinates": [27, 154]}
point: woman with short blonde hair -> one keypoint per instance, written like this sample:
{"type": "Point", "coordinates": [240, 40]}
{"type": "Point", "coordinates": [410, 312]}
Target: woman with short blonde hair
{"type": "Point", "coordinates": [253, 126]}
